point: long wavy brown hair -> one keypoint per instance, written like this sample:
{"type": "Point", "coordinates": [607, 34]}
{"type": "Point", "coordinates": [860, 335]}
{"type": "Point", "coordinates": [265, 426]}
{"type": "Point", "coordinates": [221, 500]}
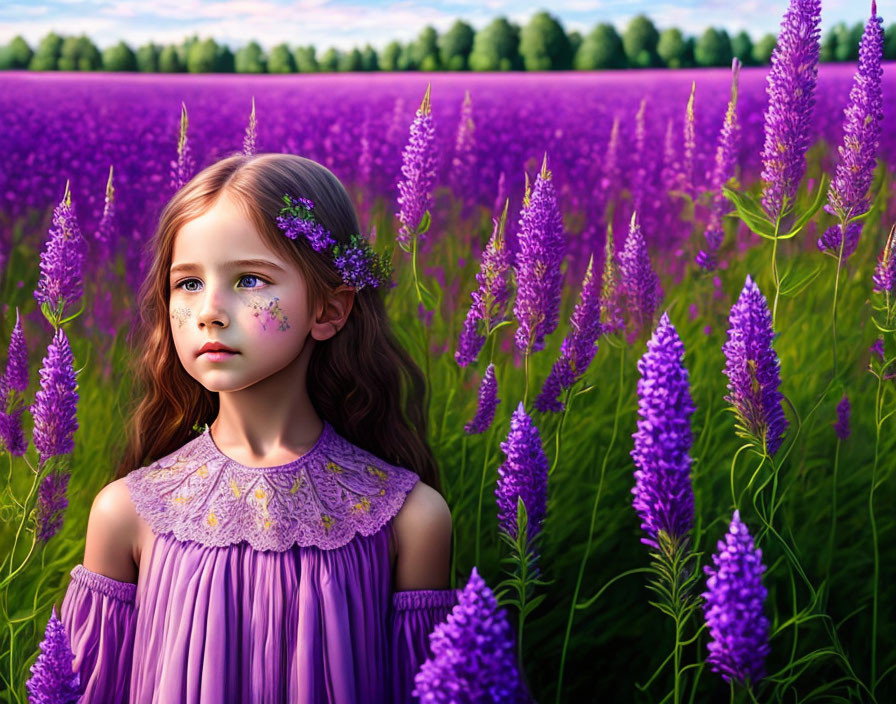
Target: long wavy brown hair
{"type": "Point", "coordinates": [360, 380]}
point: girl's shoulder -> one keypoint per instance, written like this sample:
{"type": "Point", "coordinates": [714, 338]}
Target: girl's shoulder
{"type": "Point", "coordinates": [112, 529]}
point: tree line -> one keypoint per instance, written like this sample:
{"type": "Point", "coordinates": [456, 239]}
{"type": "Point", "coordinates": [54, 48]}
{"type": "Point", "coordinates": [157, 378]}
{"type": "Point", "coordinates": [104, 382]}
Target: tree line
{"type": "Point", "coordinates": [540, 45]}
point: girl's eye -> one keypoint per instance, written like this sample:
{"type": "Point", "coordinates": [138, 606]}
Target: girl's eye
{"type": "Point", "coordinates": [183, 284]}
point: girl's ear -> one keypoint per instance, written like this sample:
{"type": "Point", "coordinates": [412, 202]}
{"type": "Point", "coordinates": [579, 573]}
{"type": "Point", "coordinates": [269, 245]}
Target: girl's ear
{"type": "Point", "coordinates": [334, 314]}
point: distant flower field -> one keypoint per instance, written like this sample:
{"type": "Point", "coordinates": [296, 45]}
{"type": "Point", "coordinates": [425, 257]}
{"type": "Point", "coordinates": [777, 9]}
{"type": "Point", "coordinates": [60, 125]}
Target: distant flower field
{"type": "Point", "coordinates": [696, 412]}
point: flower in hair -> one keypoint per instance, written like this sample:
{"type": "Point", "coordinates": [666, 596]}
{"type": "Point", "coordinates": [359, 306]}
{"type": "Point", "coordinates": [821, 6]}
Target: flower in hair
{"type": "Point", "coordinates": [358, 264]}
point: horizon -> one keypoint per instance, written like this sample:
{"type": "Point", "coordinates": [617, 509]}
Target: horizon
{"type": "Point", "coordinates": [347, 24]}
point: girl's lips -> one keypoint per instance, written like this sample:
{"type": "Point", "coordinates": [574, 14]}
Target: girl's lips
{"type": "Point", "coordinates": [218, 355]}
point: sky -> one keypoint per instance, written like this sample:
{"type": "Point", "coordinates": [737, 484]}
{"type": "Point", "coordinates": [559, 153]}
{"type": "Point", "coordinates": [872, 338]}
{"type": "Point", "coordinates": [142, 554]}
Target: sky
{"type": "Point", "coordinates": [353, 23]}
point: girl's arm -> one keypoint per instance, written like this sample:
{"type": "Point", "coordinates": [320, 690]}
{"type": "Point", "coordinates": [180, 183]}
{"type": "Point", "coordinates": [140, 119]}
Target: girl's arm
{"type": "Point", "coordinates": [421, 599]}
{"type": "Point", "coordinates": [98, 610]}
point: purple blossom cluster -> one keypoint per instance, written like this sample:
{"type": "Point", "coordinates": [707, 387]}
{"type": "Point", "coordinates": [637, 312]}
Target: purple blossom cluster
{"type": "Point", "coordinates": [53, 679]}
{"type": "Point", "coordinates": [639, 284]}
{"type": "Point", "coordinates": [578, 347]}
{"type": "Point", "coordinates": [612, 318]}
{"type": "Point", "coordinates": [297, 218]}
{"type": "Point", "coordinates": [62, 260]}
{"type": "Point", "coordinates": [249, 147]}
{"type": "Point", "coordinates": [51, 504]}
{"type": "Point", "coordinates": [13, 383]}
{"type": "Point", "coordinates": [54, 407]}
{"type": "Point", "coordinates": [473, 654]}
{"type": "Point", "coordinates": [542, 247]}
{"type": "Point", "coordinates": [524, 474]}
{"type": "Point", "coordinates": [419, 170]}
{"type": "Point", "coordinates": [664, 497]}
{"type": "Point", "coordinates": [464, 160]}
{"type": "Point", "coordinates": [847, 195]}
{"type": "Point", "coordinates": [183, 168]}
{"type": "Point", "coordinates": [490, 299]}
{"type": "Point", "coordinates": [723, 170]}
{"type": "Point", "coordinates": [791, 99]}
{"type": "Point", "coordinates": [841, 427]}
{"type": "Point", "coordinates": [884, 277]}
{"type": "Point", "coordinates": [752, 368]}
{"type": "Point", "coordinates": [733, 607]}
{"type": "Point", "coordinates": [488, 402]}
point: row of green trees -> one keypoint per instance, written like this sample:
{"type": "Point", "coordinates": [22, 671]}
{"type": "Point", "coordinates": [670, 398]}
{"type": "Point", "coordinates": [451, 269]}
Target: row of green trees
{"type": "Point", "coordinates": [541, 45]}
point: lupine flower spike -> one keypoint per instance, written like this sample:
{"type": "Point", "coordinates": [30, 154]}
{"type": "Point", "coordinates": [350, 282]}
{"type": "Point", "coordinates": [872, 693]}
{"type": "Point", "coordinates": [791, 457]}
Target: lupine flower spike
{"type": "Point", "coordinates": [490, 299]}
{"type": "Point", "coordinates": [54, 407]}
{"type": "Point", "coordinates": [791, 100]}
{"type": "Point", "coordinates": [488, 401]}
{"type": "Point", "coordinates": [733, 607]}
{"type": "Point", "coordinates": [53, 679]}
{"type": "Point", "coordinates": [848, 193]}
{"type": "Point", "coordinates": [61, 264]}
{"type": "Point", "coordinates": [524, 474]}
{"type": "Point", "coordinates": [419, 170]}
{"type": "Point", "coordinates": [251, 135]}
{"type": "Point", "coordinates": [639, 283]}
{"type": "Point", "coordinates": [841, 427]}
{"type": "Point", "coordinates": [182, 169]}
{"type": "Point", "coordinates": [578, 347]}
{"type": "Point", "coordinates": [473, 658]}
{"type": "Point", "coordinates": [12, 385]}
{"type": "Point", "coordinates": [752, 368]}
{"type": "Point", "coordinates": [542, 247]}
{"type": "Point", "coordinates": [664, 498]}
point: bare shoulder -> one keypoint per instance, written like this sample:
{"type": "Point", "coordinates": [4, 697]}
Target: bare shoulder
{"type": "Point", "coordinates": [112, 533]}
{"type": "Point", "coordinates": [423, 536]}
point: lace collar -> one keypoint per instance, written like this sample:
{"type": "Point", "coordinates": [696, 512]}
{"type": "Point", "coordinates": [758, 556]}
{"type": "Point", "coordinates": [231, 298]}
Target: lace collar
{"type": "Point", "coordinates": [322, 498]}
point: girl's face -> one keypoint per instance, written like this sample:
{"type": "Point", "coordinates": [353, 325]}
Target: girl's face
{"type": "Point", "coordinates": [257, 308]}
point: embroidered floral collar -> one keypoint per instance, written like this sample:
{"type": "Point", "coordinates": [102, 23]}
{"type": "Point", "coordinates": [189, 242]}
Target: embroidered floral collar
{"type": "Point", "coordinates": [322, 498]}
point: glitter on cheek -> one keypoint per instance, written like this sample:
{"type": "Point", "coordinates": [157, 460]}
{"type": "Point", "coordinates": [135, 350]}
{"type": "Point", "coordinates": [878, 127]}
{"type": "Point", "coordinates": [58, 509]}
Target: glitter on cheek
{"type": "Point", "coordinates": [268, 312]}
{"type": "Point", "coordinates": [181, 315]}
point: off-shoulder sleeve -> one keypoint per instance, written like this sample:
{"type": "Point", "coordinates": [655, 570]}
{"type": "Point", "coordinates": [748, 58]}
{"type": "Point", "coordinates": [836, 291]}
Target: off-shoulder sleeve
{"type": "Point", "coordinates": [414, 615]}
{"type": "Point", "coordinates": [99, 615]}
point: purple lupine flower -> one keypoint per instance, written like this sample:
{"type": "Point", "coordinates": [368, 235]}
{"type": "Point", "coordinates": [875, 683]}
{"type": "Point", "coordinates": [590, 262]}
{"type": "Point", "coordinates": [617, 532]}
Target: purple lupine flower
{"type": "Point", "coordinates": [488, 401]}
{"type": "Point", "coordinates": [473, 653]}
{"type": "Point", "coordinates": [542, 245]}
{"type": "Point", "coordinates": [878, 348]}
{"type": "Point", "coordinates": [16, 376]}
{"type": "Point", "coordinates": [105, 231]}
{"type": "Point", "coordinates": [365, 159]}
{"type": "Point", "coordinates": [638, 282]}
{"type": "Point", "coordinates": [54, 406]}
{"type": "Point", "coordinates": [53, 679]}
{"type": "Point", "coordinates": [611, 175]}
{"type": "Point", "coordinates": [841, 427]}
{"type": "Point", "coordinates": [62, 260]}
{"type": "Point", "coordinates": [723, 170]}
{"type": "Point", "coordinates": [419, 170]}
{"type": "Point", "coordinates": [251, 133]}
{"type": "Point", "coordinates": [490, 299]}
{"type": "Point", "coordinates": [610, 295]}
{"type": "Point", "coordinates": [884, 276]}
{"type": "Point", "coordinates": [848, 193]}
{"type": "Point", "coordinates": [51, 505]}
{"type": "Point", "coordinates": [690, 146]}
{"type": "Point", "coordinates": [752, 368]}
{"type": "Point", "coordinates": [182, 169]}
{"type": "Point", "coordinates": [523, 474]}
{"type": "Point", "coordinates": [578, 347]}
{"type": "Point", "coordinates": [464, 159]}
{"type": "Point", "coordinates": [791, 99]}
{"type": "Point", "coordinates": [664, 498]}
{"type": "Point", "coordinates": [733, 607]}
{"type": "Point", "coordinates": [13, 381]}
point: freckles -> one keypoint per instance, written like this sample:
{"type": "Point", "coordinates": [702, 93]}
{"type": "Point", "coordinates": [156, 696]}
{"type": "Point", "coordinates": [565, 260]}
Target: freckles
{"type": "Point", "coordinates": [268, 312]}
{"type": "Point", "coordinates": [181, 315]}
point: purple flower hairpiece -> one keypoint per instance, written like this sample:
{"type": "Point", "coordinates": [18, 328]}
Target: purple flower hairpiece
{"type": "Point", "coordinates": [359, 265]}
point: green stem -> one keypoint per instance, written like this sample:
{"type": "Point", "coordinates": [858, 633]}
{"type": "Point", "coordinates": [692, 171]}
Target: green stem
{"type": "Point", "coordinates": [25, 511]}
{"type": "Point", "coordinates": [414, 268]}
{"type": "Point", "coordinates": [488, 447]}
{"type": "Point", "coordinates": [559, 431]}
{"type": "Point", "coordinates": [775, 274]}
{"type": "Point", "coordinates": [575, 594]}
{"type": "Point", "coordinates": [834, 310]}
{"type": "Point", "coordinates": [526, 372]}
{"type": "Point", "coordinates": [830, 556]}
{"type": "Point", "coordinates": [874, 593]}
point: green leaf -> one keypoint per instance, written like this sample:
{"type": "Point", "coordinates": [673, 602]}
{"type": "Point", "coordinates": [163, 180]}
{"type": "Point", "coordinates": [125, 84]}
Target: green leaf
{"type": "Point", "coordinates": [425, 222]}
{"type": "Point", "coordinates": [804, 218]}
{"type": "Point", "coordinates": [751, 213]}
{"type": "Point", "coordinates": [427, 298]}
{"type": "Point", "coordinates": [801, 284]}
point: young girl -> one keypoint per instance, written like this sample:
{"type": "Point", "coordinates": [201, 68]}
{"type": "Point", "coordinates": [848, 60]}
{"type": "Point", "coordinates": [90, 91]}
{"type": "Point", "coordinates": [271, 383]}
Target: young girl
{"type": "Point", "coordinates": [276, 532]}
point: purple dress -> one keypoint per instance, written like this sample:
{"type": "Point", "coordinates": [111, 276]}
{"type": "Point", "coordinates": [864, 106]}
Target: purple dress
{"type": "Point", "coordinates": [264, 584]}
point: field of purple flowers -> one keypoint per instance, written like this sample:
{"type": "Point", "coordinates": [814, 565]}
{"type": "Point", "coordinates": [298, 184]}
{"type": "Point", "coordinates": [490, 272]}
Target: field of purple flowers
{"type": "Point", "coordinates": [695, 411]}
